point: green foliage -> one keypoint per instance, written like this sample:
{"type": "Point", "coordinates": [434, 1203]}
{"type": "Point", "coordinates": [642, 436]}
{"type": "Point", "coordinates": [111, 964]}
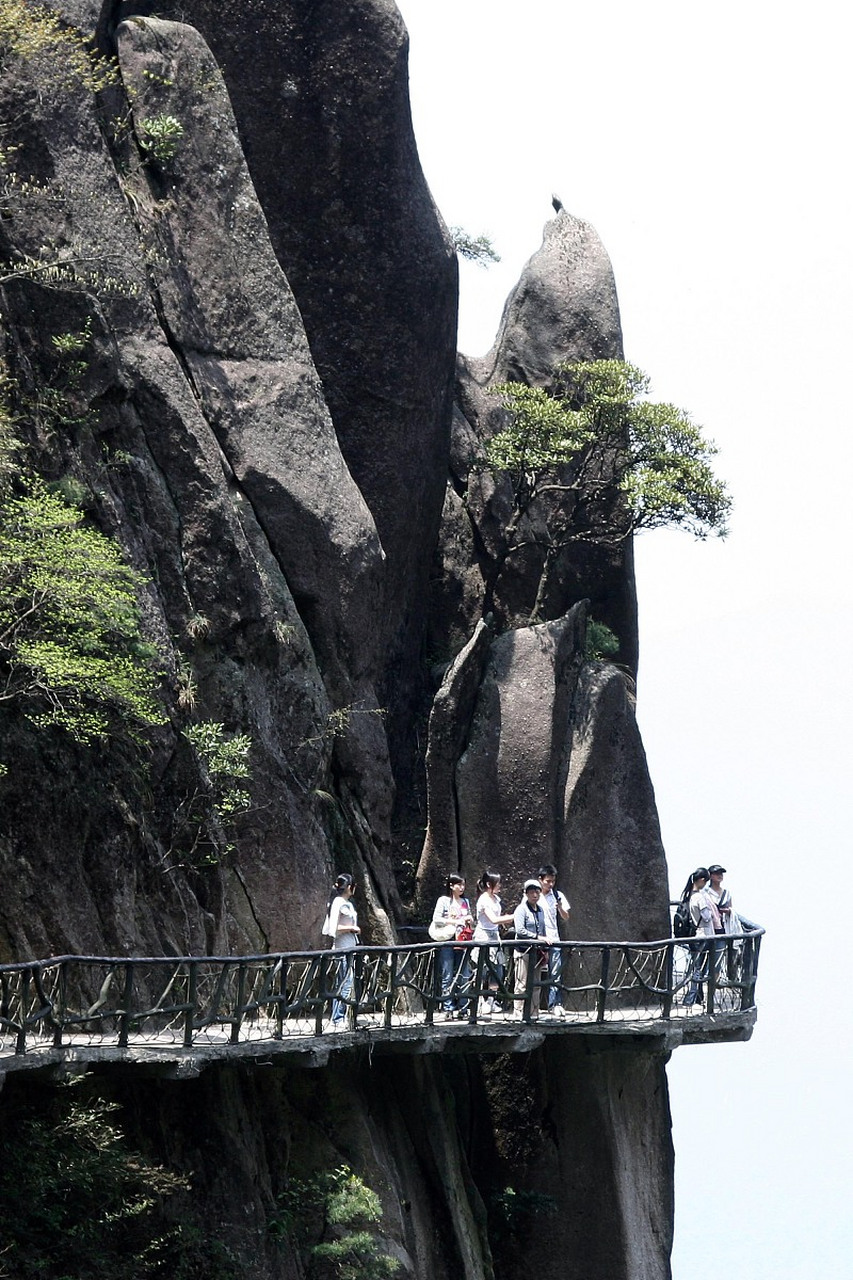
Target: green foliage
{"type": "Point", "coordinates": [71, 648]}
{"type": "Point", "coordinates": [348, 1209]}
{"type": "Point", "coordinates": [601, 643]}
{"type": "Point", "coordinates": [591, 460]}
{"type": "Point", "coordinates": [77, 1201]}
{"type": "Point", "coordinates": [225, 760]}
{"type": "Point", "coordinates": [205, 817]}
{"type": "Point", "coordinates": [159, 137]}
{"type": "Point", "coordinates": [477, 249]}
{"type": "Point", "coordinates": [617, 443]}
{"type": "Point", "coordinates": [61, 56]}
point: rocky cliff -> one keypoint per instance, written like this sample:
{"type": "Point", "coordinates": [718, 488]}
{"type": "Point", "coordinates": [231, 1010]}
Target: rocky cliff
{"type": "Point", "coordinates": [271, 419]}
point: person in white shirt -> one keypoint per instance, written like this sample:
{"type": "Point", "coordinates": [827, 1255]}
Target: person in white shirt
{"type": "Point", "coordinates": [706, 917]}
{"type": "Point", "coordinates": [341, 925]}
{"type": "Point", "coordinates": [453, 912]}
{"type": "Point", "coordinates": [490, 917]}
{"type": "Point", "coordinates": [556, 907]}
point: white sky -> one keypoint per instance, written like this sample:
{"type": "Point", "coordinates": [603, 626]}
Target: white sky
{"type": "Point", "coordinates": [709, 145]}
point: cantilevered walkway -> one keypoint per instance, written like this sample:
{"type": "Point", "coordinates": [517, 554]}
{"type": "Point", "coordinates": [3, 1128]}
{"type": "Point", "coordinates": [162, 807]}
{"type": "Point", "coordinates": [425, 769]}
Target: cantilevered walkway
{"type": "Point", "coordinates": [176, 1015]}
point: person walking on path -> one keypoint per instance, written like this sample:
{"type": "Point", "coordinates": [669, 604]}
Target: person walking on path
{"type": "Point", "coordinates": [341, 925]}
{"type": "Point", "coordinates": [451, 916]}
{"type": "Point", "coordinates": [529, 921]}
{"type": "Point", "coordinates": [556, 907]}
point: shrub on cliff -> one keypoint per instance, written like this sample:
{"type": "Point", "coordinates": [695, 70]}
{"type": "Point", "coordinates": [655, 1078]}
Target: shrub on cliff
{"type": "Point", "coordinates": [592, 460]}
{"type": "Point", "coordinates": [71, 647]}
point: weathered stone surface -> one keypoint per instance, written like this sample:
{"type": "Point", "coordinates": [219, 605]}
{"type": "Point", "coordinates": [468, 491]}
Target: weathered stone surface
{"type": "Point", "coordinates": [611, 851]}
{"type": "Point", "coordinates": [534, 756]}
{"type": "Point", "coordinates": [510, 775]}
{"type": "Point", "coordinates": [188, 516]}
{"type": "Point", "coordinates": [591, 1131]}
{"type": "Point", "coordinates": [449, 726]}
{"type": "Point", "coordinates": [320, 92]}
{"type": "Point", "coordinates": [564, 307]}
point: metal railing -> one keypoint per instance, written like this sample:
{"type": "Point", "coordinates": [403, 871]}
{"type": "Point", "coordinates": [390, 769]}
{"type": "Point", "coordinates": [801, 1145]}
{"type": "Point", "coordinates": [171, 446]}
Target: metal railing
{"type": "Point", "coordinates": [210, 1001]}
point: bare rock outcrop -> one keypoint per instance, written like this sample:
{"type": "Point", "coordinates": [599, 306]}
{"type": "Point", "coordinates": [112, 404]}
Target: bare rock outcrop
{"type": "Point", "coordinates": [320, 95]}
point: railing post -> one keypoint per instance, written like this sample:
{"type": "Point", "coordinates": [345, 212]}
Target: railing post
{"type": "Point", "coordinates": [434, 998]}
{"type": "Point", "coordinates": [712, 974]}
{"type": "Point", "coordinates": [357, 985]}
{"type": "Point", "coordinates": [668, 972]}
{"type": "Point", "coordinates": [530, 984]}
{"type": "Point", "coordinates": [605, 976]}
{"type": "Point", "coordinates": [392, 989]}
{"type": "Point", "coordinates": [282, 999]}
{"type": "Point", "coordinates": [750, 967]}
{"type": "Point", "coordinates": [477, 986]}
{"type": "Point", "coordinates": [21, 1040]}
{"type": "Point", "coordinates": [191, 1010]}
{"type": "Point", "coordinates": [322, 972]}
{"type": "Point", "coordinates": [238, 1012]}
{"type": "Point", "coordinates": [59, 1008]}
{"type": "Point", "coordinates": [126, 1001]}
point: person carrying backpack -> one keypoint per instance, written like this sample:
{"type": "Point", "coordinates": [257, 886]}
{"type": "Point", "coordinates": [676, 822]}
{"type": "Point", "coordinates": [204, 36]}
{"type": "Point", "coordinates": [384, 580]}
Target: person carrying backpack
{"type": "Point", "coordinates": [704, 917]}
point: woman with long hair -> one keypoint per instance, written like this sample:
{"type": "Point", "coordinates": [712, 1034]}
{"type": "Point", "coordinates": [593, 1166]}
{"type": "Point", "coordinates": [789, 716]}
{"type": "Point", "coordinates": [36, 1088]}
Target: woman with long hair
{"type": "Point", "coordinates": [341, 925]}
{"type": "Point", "coordinates": [490, 917]}
{"type": "Point", "coordinates": [705, 916]}
{"type": "Point", "coordinates": [452, 914]}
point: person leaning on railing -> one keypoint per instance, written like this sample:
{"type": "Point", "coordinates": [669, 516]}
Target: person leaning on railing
{"type": "Point", "coordinates": [556, 907]}
{"type": "Point", "coordinates": [452, 920]}
{"type": "Point", "coordinates": [529, 921]}
{"type": "Point", "coordinates": [705, 916]}
{"type": "Point", "coordinates": [490, 916]}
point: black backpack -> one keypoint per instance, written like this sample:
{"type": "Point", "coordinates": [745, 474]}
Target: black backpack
{"type": "Point", "coordinates": [682, 925]}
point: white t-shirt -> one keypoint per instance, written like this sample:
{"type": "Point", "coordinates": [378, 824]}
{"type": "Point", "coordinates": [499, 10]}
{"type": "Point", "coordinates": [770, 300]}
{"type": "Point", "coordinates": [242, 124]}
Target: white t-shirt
{"type": "Point", "coordinates": [488, 909]}
{"type": "Point", "coordinates": [341, 912]}
{"type": "Point", "coordinates": [548, 903]}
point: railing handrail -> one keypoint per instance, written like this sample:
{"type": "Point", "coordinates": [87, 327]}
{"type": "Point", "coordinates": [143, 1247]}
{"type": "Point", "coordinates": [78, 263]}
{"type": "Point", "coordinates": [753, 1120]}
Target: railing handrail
{"type": "Point", "coordinates": [124, 1001]}
{"type": "Point", "coordinates": [643, 944]}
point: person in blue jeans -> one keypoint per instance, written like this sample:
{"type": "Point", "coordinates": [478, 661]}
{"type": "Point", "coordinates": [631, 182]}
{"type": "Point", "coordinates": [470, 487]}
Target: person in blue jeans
{"type": "Point", "coordinates": [556, 907]}
{"type": "Point", "coordinates": [341, 925]}
{"type": "Point", "coordinates": [452, 913]}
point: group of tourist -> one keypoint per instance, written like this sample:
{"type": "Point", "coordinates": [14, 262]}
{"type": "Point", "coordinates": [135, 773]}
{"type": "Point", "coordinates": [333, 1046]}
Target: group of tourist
{"type": "Point", "coordinates": [712, 914]}
{"type": "Point", "coordinates": [536, 924]}
{"type": "Point", "coordinates": [454, 923]}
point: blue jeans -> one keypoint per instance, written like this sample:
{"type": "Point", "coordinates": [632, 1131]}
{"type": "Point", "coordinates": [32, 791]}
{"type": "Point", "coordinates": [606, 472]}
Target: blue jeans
{"type": "Point", "coordinates": [555, 964]}
{"type": "Point", "coordinates": [455, 969]}
{"type": "Point", "coordinates": [345, 983]}
{"type": "Point", "coordinates": [699, 969]}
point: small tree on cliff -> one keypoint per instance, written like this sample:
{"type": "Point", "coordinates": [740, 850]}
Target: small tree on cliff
{"type": "Point", "coordinates": [592, 460]}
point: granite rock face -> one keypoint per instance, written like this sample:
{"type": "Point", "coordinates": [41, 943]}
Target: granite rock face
{"type": "Point", "coordinates": [320, 94]}
{"type": "Point", "coordinates": [264, 421]}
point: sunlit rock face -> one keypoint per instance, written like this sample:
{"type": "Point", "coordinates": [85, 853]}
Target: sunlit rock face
{"type": "Point", "coordinates": [268, 430]}
{"type": "Point", "coordinates": [320, 94]}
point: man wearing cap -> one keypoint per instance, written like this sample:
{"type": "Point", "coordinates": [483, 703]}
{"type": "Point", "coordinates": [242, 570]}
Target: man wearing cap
{"type": "Point", "coordinates": [556, 907]}
{"type": "Point", "coordinates": [721, 897]}
{"type": "Point", "coordinates": [529, 921]}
